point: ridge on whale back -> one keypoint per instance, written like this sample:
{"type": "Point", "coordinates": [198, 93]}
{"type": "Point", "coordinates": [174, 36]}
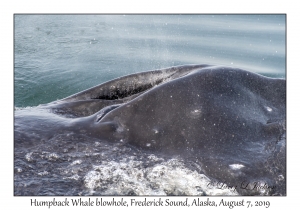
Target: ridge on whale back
{"type": "Point", "coordinates": [231, 120]}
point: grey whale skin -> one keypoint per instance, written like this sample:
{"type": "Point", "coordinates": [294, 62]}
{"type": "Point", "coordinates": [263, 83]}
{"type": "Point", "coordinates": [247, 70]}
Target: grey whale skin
{"type": "Point", "coordinates": [231, 120]}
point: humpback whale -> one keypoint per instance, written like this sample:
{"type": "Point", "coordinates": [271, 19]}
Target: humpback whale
{"type": "Point", "coordinates": [231, 121]}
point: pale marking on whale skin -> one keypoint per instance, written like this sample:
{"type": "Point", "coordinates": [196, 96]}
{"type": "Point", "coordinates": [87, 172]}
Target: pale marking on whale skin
{"type": "Point", "coordinates": [236, 166]}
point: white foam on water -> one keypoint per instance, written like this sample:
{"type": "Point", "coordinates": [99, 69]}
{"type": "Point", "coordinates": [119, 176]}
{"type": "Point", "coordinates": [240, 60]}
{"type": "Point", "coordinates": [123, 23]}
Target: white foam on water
{"type": "Point", "coordinates": [29, 157]}
{"type": "Point", "coordinates": [76, 162]}
{"type": "Point", "coordinates": [43, 173]}
{"type": "Point", "coordinates": [169, 177]}
{"type": "Point", "coordinates": [74, 177]}
{"type": "Point", "coordinates": [22, 108]}
{"type": "Point", "coordinates": [19, 170]}
{"type": "Point", "coordinates": [50, 156]}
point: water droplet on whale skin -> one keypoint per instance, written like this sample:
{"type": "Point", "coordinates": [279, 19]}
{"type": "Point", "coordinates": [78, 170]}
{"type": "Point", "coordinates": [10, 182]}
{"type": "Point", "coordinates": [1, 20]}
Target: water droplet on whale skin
{"type": "Point", "coordinates": [269, 109]}
{"type": "Point", "coordinates": [155, 130]}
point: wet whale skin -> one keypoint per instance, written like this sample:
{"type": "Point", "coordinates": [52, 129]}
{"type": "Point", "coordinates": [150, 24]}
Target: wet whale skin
{"type": "Point", "coordinates": [229, 120]}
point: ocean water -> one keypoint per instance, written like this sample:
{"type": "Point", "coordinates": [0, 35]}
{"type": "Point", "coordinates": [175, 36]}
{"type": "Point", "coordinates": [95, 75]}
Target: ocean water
{"type": "Point", "coordinates": [59, 55]}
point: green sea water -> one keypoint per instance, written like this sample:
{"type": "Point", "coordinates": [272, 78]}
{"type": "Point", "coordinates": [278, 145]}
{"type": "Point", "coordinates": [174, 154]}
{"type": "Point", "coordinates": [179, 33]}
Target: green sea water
{"type": "Point", "coordinates": [59, 55]}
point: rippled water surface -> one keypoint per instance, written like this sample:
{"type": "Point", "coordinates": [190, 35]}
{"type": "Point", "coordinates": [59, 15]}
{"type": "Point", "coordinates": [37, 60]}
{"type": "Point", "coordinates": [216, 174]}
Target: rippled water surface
{"type": "Point", "coordinates": [59, 55]}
